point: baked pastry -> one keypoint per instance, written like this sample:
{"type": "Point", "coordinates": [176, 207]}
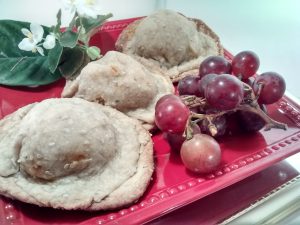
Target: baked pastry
{"type": "Point", "coordinates": [169, 43]}
{"type": "Point", "coordinates": [74, 154]}
{"type": "Point", "coordinates": [119, 81]}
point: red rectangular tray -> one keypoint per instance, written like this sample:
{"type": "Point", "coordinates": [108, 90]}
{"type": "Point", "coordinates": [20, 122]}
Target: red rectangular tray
{"type": "Point", "coordinates": [172, 186]}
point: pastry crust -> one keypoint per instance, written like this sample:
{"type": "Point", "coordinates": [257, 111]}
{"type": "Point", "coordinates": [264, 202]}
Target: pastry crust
{"type": "Point", "coordinates": [130, 43]}
{"type": "Point", "coordinates": [119, 81]}
{"type": "Point", "coordinates": [77, 157]}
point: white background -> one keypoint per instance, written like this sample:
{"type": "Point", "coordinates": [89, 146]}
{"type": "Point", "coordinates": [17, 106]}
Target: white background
{"type": "Point", "coordinates": [271, 28]}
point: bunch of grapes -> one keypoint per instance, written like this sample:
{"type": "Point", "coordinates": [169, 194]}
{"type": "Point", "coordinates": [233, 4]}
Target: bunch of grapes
{"type": "Point", "coordinates": [194, 120]}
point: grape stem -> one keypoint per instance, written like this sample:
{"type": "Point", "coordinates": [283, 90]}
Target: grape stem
{"type": "Point", "coordinates": [254, 107]}
{"type": "Point", "coordinates": [270, 123]}
{"type": "Point", "coordinates": [188, 131]}
{"type": "Point", "coordinates": [192, 100]}
{"type": "Point", "coordinates": [209, 117]}
{"type": "Point", "coordinates": [249, 96]}
{"type": "Point", "coordinates": [260, 87]}
{"type": "Point", "coordinates": [249, 106]}
{"type": "Point", "coordinates": [212, 128]}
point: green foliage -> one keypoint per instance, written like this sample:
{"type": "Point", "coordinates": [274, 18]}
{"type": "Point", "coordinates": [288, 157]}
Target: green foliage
{"type": "Point", "coordinates": [69, 55]}
{"type": "Point", "coordinates": [69, 39]}
{"type": "Point", "coordinates": [54, 57]}
{"type": "Point", "coordinates": [22, 67]}
{"type": "Point", "coordinates": [72, 61]}
{"type": "Point", "coordinates": [89, 23]}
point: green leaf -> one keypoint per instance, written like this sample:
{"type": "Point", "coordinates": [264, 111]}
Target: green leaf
{"type": "Point", "coordinates": [73, 22]}
{"type": "Point", "coordinates": [18, 67]}
{"type": "Point", "coordinates": [11, 36]}
{"type": "Point", "coordinates": [77, 22]}
{"type": "Point", "coordinates": [58, 16]}
{"type": "Point", "coordinates": [26, 71]}
{"type": "Point", "coordinates": [54, 57]}
{"type": "Point", "coordinates": [72, 61]}
{"type": "Point", "coordinates": [69, 39]}
{"type": "Point", "coordinates": [58, 24]}
{"type": "Point", "coordinates": [90, 23]}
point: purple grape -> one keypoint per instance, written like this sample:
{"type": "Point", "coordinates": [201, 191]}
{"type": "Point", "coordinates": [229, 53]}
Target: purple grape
{"type": "Point", "coordinates": [245, 64]}
{"type": "Point", "coordinates": [171, 114]}
{"type": "Point", "coordinates": [214, 64]}
{"type": "Point", "coordinates": [220, 124]}
{"type": "Point", "coordinates": [176, 140]}
{"type": "Point", "coordinates": [224, 92]}
{"type": "Point", "coordinates": [189, 85]}
{"type": "Point", "coordinates": [273, 87]}
{"type": "Point", "coordinates": [249, 121]}
{"type": "Point", "coordinates": [203, 83]}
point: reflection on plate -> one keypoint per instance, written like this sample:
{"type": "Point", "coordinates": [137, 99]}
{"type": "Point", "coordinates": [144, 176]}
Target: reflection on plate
{"type": "Point", "coordinates": [232, 201]}
{"type": "Point", "coordinates": [172, 185]}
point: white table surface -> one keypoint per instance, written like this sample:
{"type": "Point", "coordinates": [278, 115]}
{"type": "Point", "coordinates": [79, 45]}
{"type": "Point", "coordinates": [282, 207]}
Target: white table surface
{"type": "Point", "coordinates": [271, 28]}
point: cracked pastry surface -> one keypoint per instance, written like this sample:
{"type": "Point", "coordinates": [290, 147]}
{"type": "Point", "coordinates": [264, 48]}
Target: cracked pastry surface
{"type": "Point", "coordinates": [169, 43]}
{"type": "Point", "coordinates": [74, 154]}
{"type": "Point", "coordinates": [119, 81]}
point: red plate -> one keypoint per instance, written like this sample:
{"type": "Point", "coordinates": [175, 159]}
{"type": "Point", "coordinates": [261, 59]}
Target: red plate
{"type": "Point", "coordinates": [172, 185]}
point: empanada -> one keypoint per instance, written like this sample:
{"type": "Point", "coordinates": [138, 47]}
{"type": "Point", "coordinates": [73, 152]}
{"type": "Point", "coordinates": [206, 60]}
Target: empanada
{"type": "Point", "coordinates": [73, 154]}
{"type": "Point", "coordinates": [119, 81]}
{"type": "Point", "coordinates": [169, 43]}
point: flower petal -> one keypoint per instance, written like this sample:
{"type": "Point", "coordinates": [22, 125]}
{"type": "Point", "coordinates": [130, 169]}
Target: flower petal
{"type": "Point", "coordinates": [68, 9]}
{"type": "Point", "coordinates": [49, 42]}
{"type": "Point", "coordinates": [26, 32]}
{"type": "Point", "coordinates": [69, 6]}
{"type": "Point", "coordinates": [26, 44]}
{"type": "Point", "coordinates": [86, 12]}
{"type": "Point", "coordinates": [40, 50]}
{"type": "Point", "coordinates": [37, 31]}
{"type": "Point", "coordinates": [88, 8]}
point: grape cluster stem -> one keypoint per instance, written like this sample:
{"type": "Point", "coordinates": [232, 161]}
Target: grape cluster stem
{"type": "Point", "coordinates": [249, 104]}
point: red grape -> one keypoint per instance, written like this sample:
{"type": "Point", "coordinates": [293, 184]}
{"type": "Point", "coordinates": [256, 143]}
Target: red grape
{"type": "Point", "coordinates": [201, 154]}
{"type": "Point", "coordinates": [176, 140]}
{"type": "Point", "coordinates": [214, 64]}
{"type": "Point", "coordinates": [273, 87]}
{"type": "Point", "coordinates": [189, 85]}
{"type": "Point", "coordinates": [171, 114]}
{"type": "Point", "coordinates": [220, 124]}
{"type": "Point", "coordinates": [249, 121]}
{"type": "Point", "coordinates": [166, 98]}
{"type": "Point", "coordinates": [245, 64]}
{"type": "Point", "coordinates": [232, 124]}
{"type": "Point", "coordinates": [203, 83]}
{"type": "Point", "coordinates": [224, 92]}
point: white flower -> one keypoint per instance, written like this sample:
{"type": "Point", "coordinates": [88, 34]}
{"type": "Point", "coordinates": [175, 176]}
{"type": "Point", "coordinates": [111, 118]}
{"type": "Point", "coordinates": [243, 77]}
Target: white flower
{"type": "Point", "coordinates": [33, 37]}
{"type": "Point", "coordinates": [69, 6]}
{"type": "Point", "coordinates": [85, 8]}
{"type": "Point", "coordinates": [49, 42]}
{"type": "Point", "coordinates": [88, 8]}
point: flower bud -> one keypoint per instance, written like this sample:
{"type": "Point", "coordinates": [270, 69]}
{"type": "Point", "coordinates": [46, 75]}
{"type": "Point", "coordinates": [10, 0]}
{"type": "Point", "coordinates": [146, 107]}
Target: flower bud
{"type": "Point", "coordinates": [93, 52]}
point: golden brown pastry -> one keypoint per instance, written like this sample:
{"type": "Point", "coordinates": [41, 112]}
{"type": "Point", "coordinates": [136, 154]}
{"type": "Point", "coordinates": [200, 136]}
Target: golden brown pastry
{"type": "Point", "coordinates": [169, 43]}
{"type": "Point", "coordinates": [74, 154]}
{"type": "Point", "coordinates": [119, 81]}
